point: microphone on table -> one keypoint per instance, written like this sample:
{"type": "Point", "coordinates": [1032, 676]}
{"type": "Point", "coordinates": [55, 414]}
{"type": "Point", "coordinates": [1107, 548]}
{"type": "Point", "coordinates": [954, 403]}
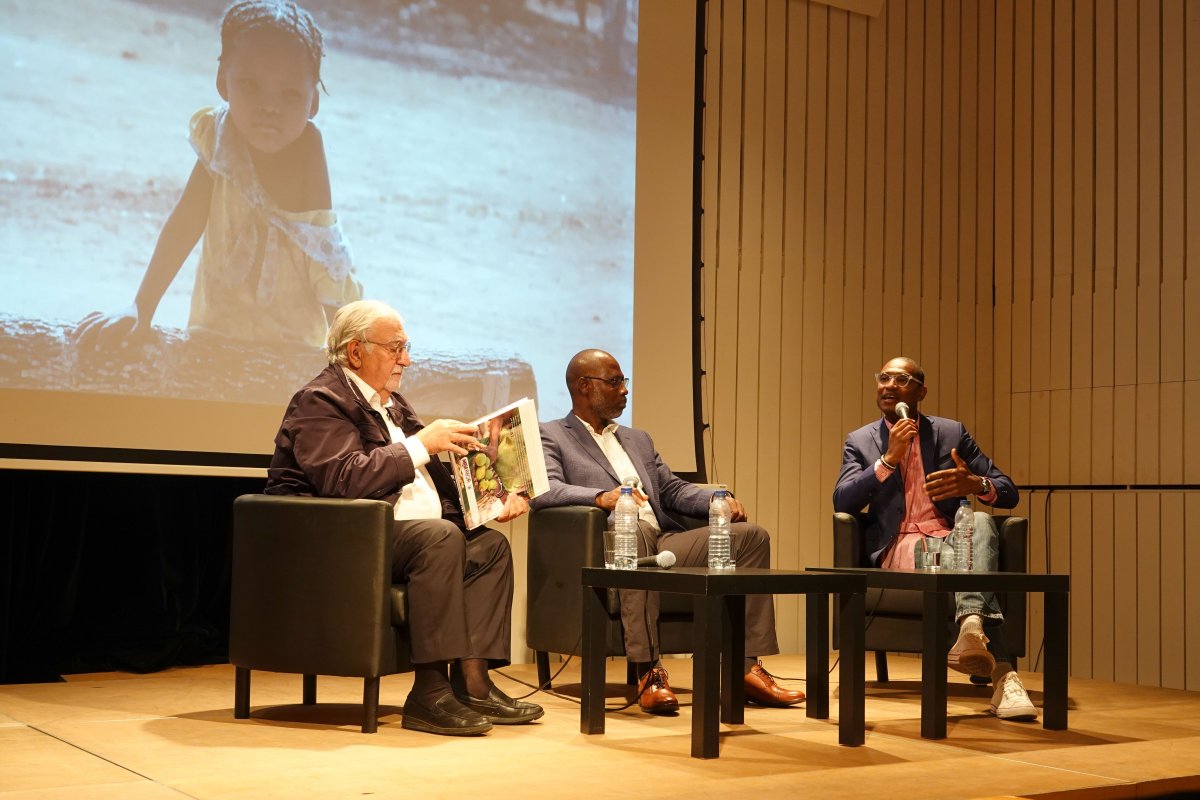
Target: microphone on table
{"type": "Point", "coordinates": [664, 560]}
{"type": "Point", "coordinates": [902, 410]}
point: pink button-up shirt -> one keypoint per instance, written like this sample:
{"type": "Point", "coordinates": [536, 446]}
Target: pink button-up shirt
{"type": "Point", "coordinates": [921, 517]}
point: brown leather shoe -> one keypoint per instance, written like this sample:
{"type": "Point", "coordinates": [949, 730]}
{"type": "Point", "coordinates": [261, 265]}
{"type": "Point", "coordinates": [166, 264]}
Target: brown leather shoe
{"type": "Point", "coordinates": [655, 695]}
{"type": "Point", "coordinates": [761, 688]}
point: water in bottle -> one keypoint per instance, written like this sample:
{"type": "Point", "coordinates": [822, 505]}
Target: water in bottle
{"type": "Point", "coordinates": [719, 556]}
{"type": "Point", "coordinates": [625, 525]}
{"type": "Point", "coordinates": [964, 529]}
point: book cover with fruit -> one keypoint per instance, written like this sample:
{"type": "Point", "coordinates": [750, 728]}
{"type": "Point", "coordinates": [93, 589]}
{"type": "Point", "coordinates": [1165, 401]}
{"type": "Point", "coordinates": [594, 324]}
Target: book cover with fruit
{"type": "Point", "coordinates": [507, 460]}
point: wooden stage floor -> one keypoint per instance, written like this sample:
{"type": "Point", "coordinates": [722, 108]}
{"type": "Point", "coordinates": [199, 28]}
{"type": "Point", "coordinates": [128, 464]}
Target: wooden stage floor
{"type": "Point", "coordinates": [172, 735]}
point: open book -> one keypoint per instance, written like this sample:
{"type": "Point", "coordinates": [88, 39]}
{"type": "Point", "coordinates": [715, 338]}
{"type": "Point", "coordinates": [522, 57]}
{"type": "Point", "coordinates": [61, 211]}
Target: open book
{"type": "Point", "coordinates": [508, 460]}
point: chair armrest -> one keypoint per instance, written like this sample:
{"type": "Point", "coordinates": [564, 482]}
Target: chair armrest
{"type": "Point", "coordinates": [561, 542]}
{"type": "Point", "coordinates": [848, 540]}
{"type": "Point", "coordinates": [1014, 543]}
{"type": "Point", "coordinates": [311, 585]}
{"type": "Point", "coordinates": [571, 534]}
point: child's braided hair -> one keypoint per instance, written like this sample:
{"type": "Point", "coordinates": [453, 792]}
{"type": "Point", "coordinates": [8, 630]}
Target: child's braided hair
{"type": "Point", "coordinates": [246, 16]}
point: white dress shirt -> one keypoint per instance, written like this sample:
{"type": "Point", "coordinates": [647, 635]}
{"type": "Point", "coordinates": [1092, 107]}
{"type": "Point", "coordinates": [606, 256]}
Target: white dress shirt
{"type": "Point", "coordinates": [419, 499]}
{"type": "Point", "coordinates": [622, 465]}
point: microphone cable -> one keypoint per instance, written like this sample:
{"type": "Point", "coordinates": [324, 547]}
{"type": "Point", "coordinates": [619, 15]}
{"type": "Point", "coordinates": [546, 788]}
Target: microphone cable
{"type": "Point", "coordinates": [1046, 533]}
{"type": "Point", "coordinates": [866, 627]}
{"type": "Point", "coordinates": [545, 687]}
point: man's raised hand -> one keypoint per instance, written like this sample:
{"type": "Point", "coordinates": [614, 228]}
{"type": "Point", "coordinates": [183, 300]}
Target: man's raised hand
{"type": "Point", "coordinates": [957, 482]}
{"type": "Point", "coordinates": [447, 435]}
{"type": "Point", "coordinates": [514, 506]}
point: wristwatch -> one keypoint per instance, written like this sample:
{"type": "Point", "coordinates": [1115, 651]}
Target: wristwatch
{"type": "Point", "coordinates": [985, 486]}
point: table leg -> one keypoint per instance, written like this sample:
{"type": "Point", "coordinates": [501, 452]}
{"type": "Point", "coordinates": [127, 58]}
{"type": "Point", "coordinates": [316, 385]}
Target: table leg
{"type": "Point", "coordinates": [595, 619]}
{"type": "Point", "coordinates": [816, 646]}
{"type": "Point", "coordinates": [933, 665]}
{"type": "Point", "coordinates": [1054, 680]}
{"type": "Point", "coordinates": [852, 671]}
{"type": "Point", "coordinates": [706, 678]}
{"type": "Point", "coordinates": [733, 656]}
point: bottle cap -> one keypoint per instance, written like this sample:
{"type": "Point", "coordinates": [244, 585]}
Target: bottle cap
{"type": "Point", "coordinates": [626, 490]}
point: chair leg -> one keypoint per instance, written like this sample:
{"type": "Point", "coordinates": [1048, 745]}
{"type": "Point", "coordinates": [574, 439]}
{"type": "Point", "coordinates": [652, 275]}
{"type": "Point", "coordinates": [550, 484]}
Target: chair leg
{"type": "Point", "coordinates": [241, 693]}
{"type": "Point", "coordinates": [370, 705]}
{"type": "Point", "coordinates": [310, 690]}
{"type": "Point", "coordinates": [542, 658]}
{"type": "Point", "coordinates": [631, 676]}
{"type": "Point", "coordinates": [881, 671]}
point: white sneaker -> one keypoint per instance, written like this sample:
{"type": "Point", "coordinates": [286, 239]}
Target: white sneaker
{"type": "Point", "coordinates": [1010, 700]}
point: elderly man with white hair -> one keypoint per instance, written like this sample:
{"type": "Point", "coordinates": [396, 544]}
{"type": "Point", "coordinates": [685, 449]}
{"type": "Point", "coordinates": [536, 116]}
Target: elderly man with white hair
{"type": "Point", "coordinates": [350, 433]}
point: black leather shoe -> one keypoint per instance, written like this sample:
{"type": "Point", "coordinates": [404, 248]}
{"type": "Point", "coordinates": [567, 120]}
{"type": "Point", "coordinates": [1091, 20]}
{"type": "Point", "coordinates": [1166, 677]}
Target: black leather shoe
{"type": "Point", "coordinates": [500, 709]}
{"type": "Point", "coordinates": [448, 717]}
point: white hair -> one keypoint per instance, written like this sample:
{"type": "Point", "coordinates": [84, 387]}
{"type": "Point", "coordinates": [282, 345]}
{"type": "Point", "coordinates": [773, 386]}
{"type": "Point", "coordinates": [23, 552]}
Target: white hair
{"type": "Point", "coordinates": [351, 323]}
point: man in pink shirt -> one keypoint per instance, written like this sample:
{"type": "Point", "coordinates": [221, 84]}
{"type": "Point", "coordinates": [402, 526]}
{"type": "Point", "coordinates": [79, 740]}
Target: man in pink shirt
{"type": "Point", "coordinates": [910, 472]}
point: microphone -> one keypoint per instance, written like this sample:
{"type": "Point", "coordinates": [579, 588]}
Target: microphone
{"type": "Point", "coordinates": [902, 410]}
{"type": "Point", "coordinates": [664, 560]}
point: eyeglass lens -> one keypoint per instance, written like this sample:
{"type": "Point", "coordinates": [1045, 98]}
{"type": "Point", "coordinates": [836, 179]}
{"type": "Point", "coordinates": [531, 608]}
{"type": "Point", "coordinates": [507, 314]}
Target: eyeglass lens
{"type": "Point", "coordinates": [900, 379]}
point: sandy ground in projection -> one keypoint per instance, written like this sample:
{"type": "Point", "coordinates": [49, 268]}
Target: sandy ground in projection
{"type": "Point", "coordinates": [482, 171]}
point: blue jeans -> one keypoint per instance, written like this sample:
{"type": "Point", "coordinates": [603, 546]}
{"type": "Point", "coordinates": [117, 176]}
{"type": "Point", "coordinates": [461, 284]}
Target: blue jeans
{"type": "Point", "coordinates": [985, 544]}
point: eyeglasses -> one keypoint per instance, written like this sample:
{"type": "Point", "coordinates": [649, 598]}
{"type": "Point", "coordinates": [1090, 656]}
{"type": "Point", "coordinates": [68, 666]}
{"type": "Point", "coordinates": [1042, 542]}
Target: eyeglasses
{"type": "Point", "coordinates": [900, 379]}
{"type": "Point", "coordinates": [615, 383]}
{"type": "Point", "coordinates": [395, 348]}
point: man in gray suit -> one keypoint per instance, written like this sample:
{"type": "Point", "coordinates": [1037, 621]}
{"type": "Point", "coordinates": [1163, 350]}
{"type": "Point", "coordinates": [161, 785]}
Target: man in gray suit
{"type": "Point", "coordinates": [588, 457]}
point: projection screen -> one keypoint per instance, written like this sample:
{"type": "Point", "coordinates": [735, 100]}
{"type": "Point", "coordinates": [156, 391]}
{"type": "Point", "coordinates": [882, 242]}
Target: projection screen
{"type": "Point", "coordinates": [481, 161]}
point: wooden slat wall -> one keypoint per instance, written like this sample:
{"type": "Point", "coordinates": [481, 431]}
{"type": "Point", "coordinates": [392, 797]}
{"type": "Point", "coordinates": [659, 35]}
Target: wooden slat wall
{"type": "Point", "coordinates": [1001, 189]}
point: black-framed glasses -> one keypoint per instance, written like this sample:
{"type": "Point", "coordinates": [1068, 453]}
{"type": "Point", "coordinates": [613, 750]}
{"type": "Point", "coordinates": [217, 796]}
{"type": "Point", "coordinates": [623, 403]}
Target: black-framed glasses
{"type": "Point", "coordinates": [900, 379]}
{"type": "Point", "coordinates": [615, 383]}
{"type": "Point", "coordinates": [395, 348]}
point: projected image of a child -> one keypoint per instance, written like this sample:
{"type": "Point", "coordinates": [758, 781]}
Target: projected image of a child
{"type": "Point", "coordinates": [274, 263]}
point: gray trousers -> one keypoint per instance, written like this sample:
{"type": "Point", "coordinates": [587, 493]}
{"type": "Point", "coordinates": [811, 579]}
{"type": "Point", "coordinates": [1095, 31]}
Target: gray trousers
{"type": "Point", "coordinates": [751, 547]}
{"type": "Point", "coordinates": [460, 590]}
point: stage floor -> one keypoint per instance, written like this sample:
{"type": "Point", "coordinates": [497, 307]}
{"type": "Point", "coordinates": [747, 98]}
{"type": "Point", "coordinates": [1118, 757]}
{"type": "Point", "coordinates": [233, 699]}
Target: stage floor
{"type": "Point", "coordinates": [172, 735]}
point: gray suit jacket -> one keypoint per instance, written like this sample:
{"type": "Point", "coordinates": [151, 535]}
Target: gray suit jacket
{"type": "Point", "coordinates": [578, 470]}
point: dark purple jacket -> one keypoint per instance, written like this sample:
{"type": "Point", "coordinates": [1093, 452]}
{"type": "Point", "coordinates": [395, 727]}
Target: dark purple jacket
{"type": "Point", "coordinates": [331, 443]}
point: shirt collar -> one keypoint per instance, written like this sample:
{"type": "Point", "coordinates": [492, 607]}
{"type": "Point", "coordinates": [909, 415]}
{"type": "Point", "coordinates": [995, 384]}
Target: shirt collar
{"type": "Point", "coordinates": [609, 428]}
{"type": "Point", "coordinates": [374, 399]}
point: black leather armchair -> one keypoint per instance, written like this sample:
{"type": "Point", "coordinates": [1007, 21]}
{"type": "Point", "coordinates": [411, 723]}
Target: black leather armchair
{"type": "Point", "coordinates": [561, 542]}
{"type": "Point", "coordinates": [894, 616]}
{"type": "Point", "coordinates": [313, 594]}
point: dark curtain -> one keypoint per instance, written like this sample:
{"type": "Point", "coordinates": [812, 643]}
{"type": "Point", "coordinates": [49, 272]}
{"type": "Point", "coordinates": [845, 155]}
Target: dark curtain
{"type": "Point", "coordinates": [105, 571]}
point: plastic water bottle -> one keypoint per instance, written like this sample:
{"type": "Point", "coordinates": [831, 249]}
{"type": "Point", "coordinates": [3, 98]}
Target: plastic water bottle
{"type": "Point", "coordinates": [625, 525]}
{"type": "Point", "coordinates": [718, 531]}
{"type": "Point", "coordinates": [964, 529]}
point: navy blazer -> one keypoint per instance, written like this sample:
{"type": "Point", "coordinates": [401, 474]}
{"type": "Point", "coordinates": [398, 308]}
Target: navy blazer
{"type": "Point", "coordinates": [578, 470]}
{"type": "Point", "coordinates": [857, 487]}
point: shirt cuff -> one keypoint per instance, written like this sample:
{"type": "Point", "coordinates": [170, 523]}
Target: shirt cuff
{"type": "Point", "coordinates": [882, 472]}
{"type": "Point", "coordinates": [416, 451]}
{"type": "Point", "coordinates": [990, 497]}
